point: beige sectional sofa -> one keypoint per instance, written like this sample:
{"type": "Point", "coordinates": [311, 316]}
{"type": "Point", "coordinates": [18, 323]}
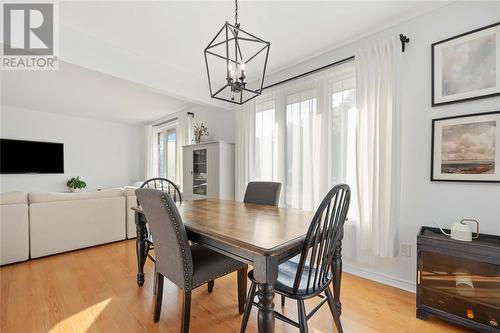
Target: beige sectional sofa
{"type": "Point", "coordinates": [14, 227]}
{"type": "Point", "coordinates": [38, 224]}
{"type": "Point", "coordinates": [61, 222]}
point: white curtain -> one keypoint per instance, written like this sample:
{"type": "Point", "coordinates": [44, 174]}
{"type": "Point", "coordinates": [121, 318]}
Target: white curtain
{"type": "Point", "coordinates": [287, 135]}
{"type": "Point", "coordinates": [183, 137]}
{"type": "Point", "coordinates": [150, 166]}
{"type": "Point", "coordinates": [377, 149]}
{"type": "Point", "coordinates": [244, 147]}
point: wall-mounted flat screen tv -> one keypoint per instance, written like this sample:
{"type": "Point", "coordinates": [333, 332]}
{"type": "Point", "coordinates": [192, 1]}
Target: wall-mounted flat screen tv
{"type": "Point", "coordinates": [19, 156]}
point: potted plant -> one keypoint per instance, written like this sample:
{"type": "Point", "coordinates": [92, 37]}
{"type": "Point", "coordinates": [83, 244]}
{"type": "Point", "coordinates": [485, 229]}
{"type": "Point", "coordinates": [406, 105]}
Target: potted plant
{"type": "Point", "coordinates": [199, 132]}
{"type": "Point", "coordinates": [76, 184]}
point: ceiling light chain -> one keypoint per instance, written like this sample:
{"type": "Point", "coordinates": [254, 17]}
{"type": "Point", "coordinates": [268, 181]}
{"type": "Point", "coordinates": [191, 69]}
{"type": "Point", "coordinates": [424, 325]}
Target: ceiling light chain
{"type": "Point", "coordinates": [236, 13]}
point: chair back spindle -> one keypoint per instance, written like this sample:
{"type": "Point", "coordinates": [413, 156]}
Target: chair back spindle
{"type": "Point", "coordinates": [164, 185]}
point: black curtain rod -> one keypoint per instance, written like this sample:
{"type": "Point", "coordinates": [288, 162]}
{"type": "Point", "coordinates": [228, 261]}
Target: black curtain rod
{"type": "Point", "coordinates": [403, 38]}
{"type": "Point", "coordinates": [336, 63]}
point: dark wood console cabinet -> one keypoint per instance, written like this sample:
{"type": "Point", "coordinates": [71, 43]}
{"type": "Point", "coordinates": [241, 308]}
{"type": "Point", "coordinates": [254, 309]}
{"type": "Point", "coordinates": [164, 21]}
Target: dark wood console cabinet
{"type": "Point", "coordinates": [459, 281]}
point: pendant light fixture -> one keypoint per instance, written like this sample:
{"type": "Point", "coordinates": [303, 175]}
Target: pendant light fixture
{"type": "Point", "coordinates": [232, 57]}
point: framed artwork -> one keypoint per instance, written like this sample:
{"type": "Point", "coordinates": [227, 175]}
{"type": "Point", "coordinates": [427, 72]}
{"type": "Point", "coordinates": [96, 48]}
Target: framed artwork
{"type": "Point", "coordinates": [466, 148]}
{"type": "Point", "coordinates": [466, 66]}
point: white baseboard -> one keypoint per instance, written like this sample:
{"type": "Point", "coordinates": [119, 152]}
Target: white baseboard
{"type": "Point", "coordinates": [378, 277]}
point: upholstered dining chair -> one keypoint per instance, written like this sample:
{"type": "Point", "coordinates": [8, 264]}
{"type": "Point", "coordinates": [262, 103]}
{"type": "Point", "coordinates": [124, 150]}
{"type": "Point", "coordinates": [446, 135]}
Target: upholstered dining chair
{"type": "Point", "coordinates": [167, 186]}
{"type": "Point", "coordinates": [263, 193]}
{"type": "Point", "coordinates": [187, 266]}
{"type": "Point", "coordinates": [312, 274]}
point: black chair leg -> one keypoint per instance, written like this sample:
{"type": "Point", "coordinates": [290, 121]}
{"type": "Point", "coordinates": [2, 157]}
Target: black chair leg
{"type": "Point", "coordinates": [333, 309]}
{"type": "Point", "coordinates": [242, 288]}
{"type": "Point", "coordinates": [210, 286]}
{"type": "Point", "coordinates": [248, 307]}
{"type": "Point", "coordinates": [186, 312]}
{"type": "Point", "coordinates": [302, 316]}
{"type": "Point", "coordinates": [155, 281]}
{"type": "Point", "coordinates": [159, 296]}
{"type": "Point", "coordinates": [282, 300]}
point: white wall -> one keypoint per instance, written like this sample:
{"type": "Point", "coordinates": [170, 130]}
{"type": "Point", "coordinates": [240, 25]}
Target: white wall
{"type": "Point", "coordinates": [423, 201]}
{"type": "Point", "coordinates": [104, 154]}
{"type": "Point", "coordinates": [220, 122]}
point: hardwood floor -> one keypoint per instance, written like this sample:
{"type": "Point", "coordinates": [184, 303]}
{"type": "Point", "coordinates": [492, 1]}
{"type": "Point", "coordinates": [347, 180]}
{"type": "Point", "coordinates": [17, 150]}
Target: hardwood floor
{"type": "Point", "coordinates": [94, 290]}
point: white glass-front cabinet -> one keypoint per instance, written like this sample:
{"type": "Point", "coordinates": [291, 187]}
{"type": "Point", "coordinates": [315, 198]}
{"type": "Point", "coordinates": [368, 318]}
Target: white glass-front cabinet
{"type": "Point", "coordinates": [208, 170]}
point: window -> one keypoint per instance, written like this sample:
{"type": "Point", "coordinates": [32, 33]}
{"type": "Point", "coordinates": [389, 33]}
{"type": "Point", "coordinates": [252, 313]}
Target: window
{"type": "Point", "coordinates": [265, 141]}
{"type": "Point", "coordinates": [301, 126]}
{"type": "Point", "coordinates": [304, 137]}
{"type": "Point", "coordinates": [166, 147]}
{"type": "Point", "coordinates": [344, 130]}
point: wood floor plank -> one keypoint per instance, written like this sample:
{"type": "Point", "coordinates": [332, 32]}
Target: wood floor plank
{"type": "Point", "coordinates": [94, 290]}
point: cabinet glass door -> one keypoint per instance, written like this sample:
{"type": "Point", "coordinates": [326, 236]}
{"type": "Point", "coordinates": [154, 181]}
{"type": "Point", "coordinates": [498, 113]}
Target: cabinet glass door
{"type": "Point", "coordinates": [466, 288]}
{"type": "Point", "coordinates": [200, 172]}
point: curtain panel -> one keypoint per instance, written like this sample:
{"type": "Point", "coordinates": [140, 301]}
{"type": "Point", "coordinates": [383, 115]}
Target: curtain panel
{"type": "Point", "coordinates": [377, 150]}
{"type": "Point", "coordinates": [149, 152]}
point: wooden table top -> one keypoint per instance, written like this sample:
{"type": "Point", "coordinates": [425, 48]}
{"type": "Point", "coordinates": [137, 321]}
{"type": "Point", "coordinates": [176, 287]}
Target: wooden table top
{"type": "Point", "coordinates": [261, 229]}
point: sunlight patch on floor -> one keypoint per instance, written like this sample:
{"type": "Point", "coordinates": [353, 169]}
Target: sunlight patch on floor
{"type": "Point", "coordinates": [82, 326]}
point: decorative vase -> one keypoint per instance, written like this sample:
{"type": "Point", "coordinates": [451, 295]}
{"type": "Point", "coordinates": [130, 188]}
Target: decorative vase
{"type": "Point", "coordinates": [75, 190]}
{"type": "Point", "coordinates": [197, 138]}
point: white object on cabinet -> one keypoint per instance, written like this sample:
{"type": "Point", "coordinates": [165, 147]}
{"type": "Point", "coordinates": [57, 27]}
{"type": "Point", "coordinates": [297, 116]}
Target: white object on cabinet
{"type": "Point", "coordinates": [208, 170]}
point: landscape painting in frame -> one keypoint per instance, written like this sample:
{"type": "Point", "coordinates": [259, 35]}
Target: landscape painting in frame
{"type": "Point", "coordinates": [466, 148]}
{"type": "Point", "coordinates": [466, 66]}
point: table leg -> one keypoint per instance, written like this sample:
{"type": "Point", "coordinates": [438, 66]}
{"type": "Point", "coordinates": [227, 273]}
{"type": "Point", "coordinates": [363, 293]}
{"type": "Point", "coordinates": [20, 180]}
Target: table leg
{"type": "Point", "coordinates": [266, 308]}
{"type": "Point", "coordinates": [266, 273]}
{"type": "Point", "coordinates": [140, 246]}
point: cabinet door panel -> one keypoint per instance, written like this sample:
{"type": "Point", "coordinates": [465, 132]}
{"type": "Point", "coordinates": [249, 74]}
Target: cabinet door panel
{"type": "Point", "coordinates": [187, 177]}
{"type": "Point", "coordinates": [213, 171]}
{"type": "Point", "coordinates": [199, 177]}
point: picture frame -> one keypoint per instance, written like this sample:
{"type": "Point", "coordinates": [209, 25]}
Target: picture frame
{"type": "Point", "coordinates": [466, 148]}
{"type": "Point", "coordinates": [467, 66]}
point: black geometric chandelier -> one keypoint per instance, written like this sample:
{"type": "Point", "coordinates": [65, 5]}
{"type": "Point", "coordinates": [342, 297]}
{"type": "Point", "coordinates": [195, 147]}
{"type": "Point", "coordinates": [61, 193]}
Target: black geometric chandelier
{"type": "Point", "coordinates": [232, 58]}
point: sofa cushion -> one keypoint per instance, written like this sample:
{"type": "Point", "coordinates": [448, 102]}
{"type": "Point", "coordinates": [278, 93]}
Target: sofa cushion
{"type": "Point", "coordinates": [129, 190]}
{"type": "Point", "coordinates": [17, 197]}
{"type": "Point", "coordinates": [54, 196]}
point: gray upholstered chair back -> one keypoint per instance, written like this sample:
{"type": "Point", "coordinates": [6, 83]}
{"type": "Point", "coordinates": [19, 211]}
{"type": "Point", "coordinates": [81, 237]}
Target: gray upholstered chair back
{"type": "Point", "coordinates": [172, 251]}
{"type": "Point", "coordinates": [263, 193]}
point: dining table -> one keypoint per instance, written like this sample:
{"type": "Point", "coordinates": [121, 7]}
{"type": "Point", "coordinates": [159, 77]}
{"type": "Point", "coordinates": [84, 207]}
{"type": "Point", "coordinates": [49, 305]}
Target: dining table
{"type": "Point", "coordinates": [259, 235]}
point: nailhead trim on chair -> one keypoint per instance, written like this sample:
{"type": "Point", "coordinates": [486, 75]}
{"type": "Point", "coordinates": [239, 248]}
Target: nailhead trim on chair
{"type": "Point", "coordinates": [218, 276]}
{"type": "Point", "coordinates": [188, 286]}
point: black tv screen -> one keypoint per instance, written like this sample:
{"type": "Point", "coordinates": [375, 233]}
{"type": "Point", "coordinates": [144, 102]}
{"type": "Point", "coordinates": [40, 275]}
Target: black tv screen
{"type": "Point", "coordinates": [19, 156]}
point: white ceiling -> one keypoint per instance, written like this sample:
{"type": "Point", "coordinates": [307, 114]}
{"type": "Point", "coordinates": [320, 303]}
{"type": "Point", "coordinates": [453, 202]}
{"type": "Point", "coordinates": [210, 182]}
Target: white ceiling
{"type": "Point", "coordinates": [159, 44]}
{"type": "Point", "coordinates": [77, 91]}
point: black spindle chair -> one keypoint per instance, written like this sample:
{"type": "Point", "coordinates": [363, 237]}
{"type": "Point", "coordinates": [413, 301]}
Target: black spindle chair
{"type": "Point", "coordinates": [312, 274]}
{"type": "Point", "coordinates": [169, 187]}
